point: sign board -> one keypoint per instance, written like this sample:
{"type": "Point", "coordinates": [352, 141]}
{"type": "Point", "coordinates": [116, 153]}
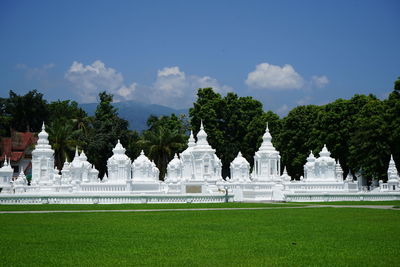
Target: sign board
{"type": "Point", "coordinates": [193, 189]}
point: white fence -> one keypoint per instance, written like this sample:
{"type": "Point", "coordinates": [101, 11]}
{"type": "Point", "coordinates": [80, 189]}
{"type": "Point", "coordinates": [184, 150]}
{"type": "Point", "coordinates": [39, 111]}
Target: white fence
{"type": "Point", "coordinates": [113, 199]}
{"type": "Point", "coordinates": [328, 197]}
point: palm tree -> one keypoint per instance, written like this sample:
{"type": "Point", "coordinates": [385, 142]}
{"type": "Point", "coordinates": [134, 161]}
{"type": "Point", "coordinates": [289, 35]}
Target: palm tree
{"type": "Point", "coordinates": [161, 144]}
{"type": "Point", "coordinates": [63, 139]}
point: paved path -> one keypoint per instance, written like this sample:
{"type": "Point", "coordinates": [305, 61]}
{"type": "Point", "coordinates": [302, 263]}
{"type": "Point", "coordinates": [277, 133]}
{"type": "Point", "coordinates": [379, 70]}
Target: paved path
{"type": "Point", "coordinates": [202, 209]}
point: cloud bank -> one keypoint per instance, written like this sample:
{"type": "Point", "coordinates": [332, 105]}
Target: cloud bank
{"type": "Point", "coordinates": [272, 77]}
{"type": "Point", "coordinates": [172, 87]}
{"type": "Point", "coordinates": [89, 80]}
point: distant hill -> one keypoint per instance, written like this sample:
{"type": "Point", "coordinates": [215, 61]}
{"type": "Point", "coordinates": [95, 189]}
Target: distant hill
{"type": "Point", "coordinates": [136, 113]}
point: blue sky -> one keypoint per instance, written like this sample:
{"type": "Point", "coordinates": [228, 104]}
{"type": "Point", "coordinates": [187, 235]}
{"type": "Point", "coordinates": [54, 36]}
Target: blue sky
{"type": "Point", "coordinates": [283, 53]}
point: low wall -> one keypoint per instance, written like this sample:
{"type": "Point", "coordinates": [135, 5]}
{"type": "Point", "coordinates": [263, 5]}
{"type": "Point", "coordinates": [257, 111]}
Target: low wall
{"type": "Point", "coordinates": [112, 199]}
{"type": "Point", "coordinates": [328, 197]}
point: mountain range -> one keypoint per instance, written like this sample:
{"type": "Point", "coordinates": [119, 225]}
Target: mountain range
{"type": "Point", "coordinates": [136, 113]}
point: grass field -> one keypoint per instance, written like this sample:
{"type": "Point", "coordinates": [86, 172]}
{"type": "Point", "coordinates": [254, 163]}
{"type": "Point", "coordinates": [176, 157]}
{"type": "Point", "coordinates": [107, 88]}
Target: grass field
{"type": "Point", "coordinates": [140, 206]}
{"type": "Point", "coordinates": [183, 206]}
{"type": "Point", "coordinates": [289, 237]}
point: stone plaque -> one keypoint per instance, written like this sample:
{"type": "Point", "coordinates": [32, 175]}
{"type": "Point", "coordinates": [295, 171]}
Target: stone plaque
{"type": "Point", "coordinates": [193, 189]}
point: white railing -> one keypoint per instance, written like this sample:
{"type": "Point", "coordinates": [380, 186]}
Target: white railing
{"type": "Point", "coordinates": [328, 197]}
{"type": "Point", "coordinates": [122, 199]}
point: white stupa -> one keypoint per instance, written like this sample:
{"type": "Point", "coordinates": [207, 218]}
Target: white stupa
{"type": "Point", "coordinates": [43, 161]}
{"type": "Point", "coordinates": [143, 169]}
{"type": "Point", "coordinates": [267, 161]}
{"type": "Point", "coordinates": [119, 165]}
{"type": "Point", "coordinates": [174, 170]}
{"type": "Point", "coordinates": [240, 169]}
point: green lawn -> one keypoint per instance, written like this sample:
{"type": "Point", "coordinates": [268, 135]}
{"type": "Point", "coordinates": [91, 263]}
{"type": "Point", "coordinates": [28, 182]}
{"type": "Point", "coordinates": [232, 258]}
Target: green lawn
{"type": "Point", "coordinates": [140, 206]}
{"type": "Point", "coordinates": [356, 203]}
{"type": "Point", "coordinates": [288, 237]}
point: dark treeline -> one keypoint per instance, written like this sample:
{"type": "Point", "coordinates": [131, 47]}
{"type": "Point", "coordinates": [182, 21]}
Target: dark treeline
{"type": "Point", "coordinates": [361, 132]}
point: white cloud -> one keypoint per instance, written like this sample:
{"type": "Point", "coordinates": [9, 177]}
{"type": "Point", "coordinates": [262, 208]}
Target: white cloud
{"type": "Point", "coordinates": [268, 76]}
{"type": "Point", "coordinates": [89, 80]}
{"type": "Point", "coordinates": [172, 86]}
{"type": "Point", "coordinates": [319, 81]}
{"type": "Point", "coordinates": [272, 77]}
{"type": "Point", "coordinates": [176, 89]}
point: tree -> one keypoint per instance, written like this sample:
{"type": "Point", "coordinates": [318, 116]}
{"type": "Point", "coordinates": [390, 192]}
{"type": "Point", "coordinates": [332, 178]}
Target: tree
{"type": "Point", "coordinates": [369, 145]}
{"type": "Point", "coordinates": [231, 122]}
{"type": "Point", "coordinates": [165, 137]}
{"type": "Point", "coordinates": [27, 112]}
{"type": "Point", "coordinates": [63, 139]}
{"type": "Point", "coordinates": [296, 138]}
{"type": "Point", "coordinates": [392, 117]}
{"type": "Point", "coordinates": [397, 85]}
{"type": "Point", "coordinates": [105, 128]}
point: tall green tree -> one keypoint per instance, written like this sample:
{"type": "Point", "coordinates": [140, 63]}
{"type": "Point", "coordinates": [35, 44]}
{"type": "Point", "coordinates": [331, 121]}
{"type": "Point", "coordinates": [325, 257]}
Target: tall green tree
{"type": "Point", "coordinates": [63, 139]}
{"type": "Point", "coordinates": [65, 133]}
{"type": "Point", "coordinates": [27, 112]}
{"type": "Point", "coordinates": [106, 127]}
{"type": "Point", "coordinates": [165, 137]}
{"type": "Point", "coordinates": [296, 138]}
{"type": "Point", "coordinates": [392, 117]}
{"type": "Point", "coordinates": [231, 122]}
{"type": "Point", "coordinates": [369, 145]}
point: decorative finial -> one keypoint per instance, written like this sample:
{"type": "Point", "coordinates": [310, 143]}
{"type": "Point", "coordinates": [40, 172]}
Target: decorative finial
{"type": "Point", "coordinates": [267, 126]}
{"type": "Point", "coordinates": [118, 141]}
{"type": "Point", "coordinates": [76, 152]}
{"type": "Point", "coordinates": [201, 125]}
{"type": "Point", "coordinates": [141, 152]}
{"type": "Point", "coordinates": [43, 127]}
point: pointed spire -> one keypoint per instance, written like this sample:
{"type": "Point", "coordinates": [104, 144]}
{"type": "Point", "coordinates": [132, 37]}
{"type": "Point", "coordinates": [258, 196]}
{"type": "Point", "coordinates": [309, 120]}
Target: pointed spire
{"type": "Point", "coordinates": [284, 170]}
{"type": "Point", "coordinates": [202, 136]}
{"type": "Point", "coordinates": [239, 154]}
{"type": "Point", "coordinates": [141, 152]}
{"type": "Point", "coordinates": [191, 141]}
{"type": "Point", "coordinates": [267, 144]}
{"type": "Point", "coordinates": [76, 152]}
{"type": "Point", "coordinates": [5, 160]}
{"type": "Point", "coordinates": [43, 127]}
{"type": "Point", "coordinates": [324, 152]}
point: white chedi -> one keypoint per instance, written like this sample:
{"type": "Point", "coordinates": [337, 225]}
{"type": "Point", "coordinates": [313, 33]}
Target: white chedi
{"type": "Point", "coordinates": [119, 165]}
{"type": "Point", "coordinates": [174, 170]}
{"type": "Point", "coordinates": [392, 173]}
{"type": "Point", "coordinates": [267, 161]}
{"type": "Point", "coordinates": [285, 177]}
{"type": "Point", "coordinates": [205, 164]}
{"type": "Point", "coordinates": [338, 172]}
{"type": "Point", "coordinates": [80, 168]}
{"type": "Point", "coordinates": [322, 169]}
{"type": "Point", "coordinates": [143, 170]}
{"type": "Point", "coordinates": [240, 169]}
{"type": "Point", "coordinates": [6, 173]}
{"type": "Point", "coordinates": [393, 176]}
{"type": "Point", "coordinates": [187, 159]}
{"type": "Point", "coordinates": [43, 160]}
{"type": "Point", "coordinates": [21, 179]}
